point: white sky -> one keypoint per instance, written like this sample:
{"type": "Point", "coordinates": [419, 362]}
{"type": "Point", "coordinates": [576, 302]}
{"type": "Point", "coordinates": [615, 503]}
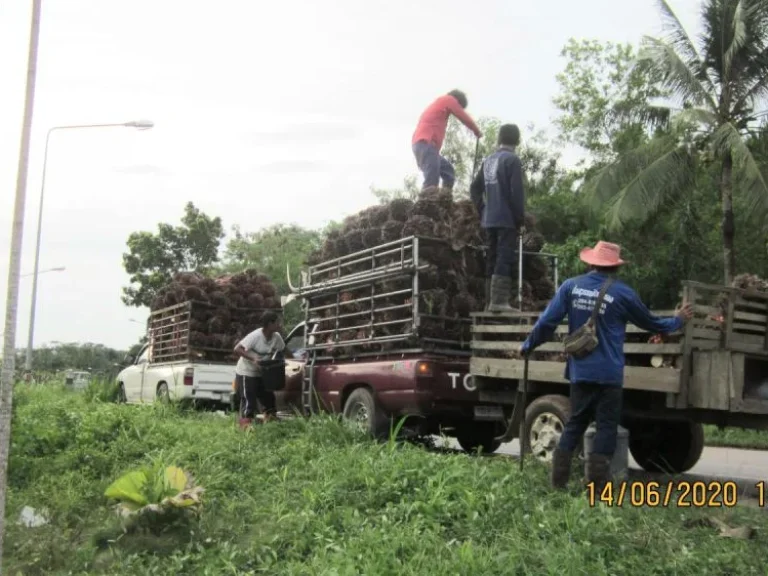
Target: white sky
{"type": "Point", "coordinates": [263, 114]}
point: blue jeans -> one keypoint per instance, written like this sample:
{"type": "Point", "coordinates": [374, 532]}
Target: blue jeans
{"type": "Point", "coordinates": [598, 402]}
{"type": "Point", "coordinates": [433, 166]}
{"type": "Point", "coordinates": [502, 249]}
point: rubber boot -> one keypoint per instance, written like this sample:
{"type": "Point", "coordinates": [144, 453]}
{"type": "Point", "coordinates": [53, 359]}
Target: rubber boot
{"type": "Point", "coordinates": [487, 293]}
{"type": "Point", "coordinates": [561, 469]}
{"type": "Point", "coordinates": [597, 469]}
{"type": "Point", "coordinates": [501, 291]}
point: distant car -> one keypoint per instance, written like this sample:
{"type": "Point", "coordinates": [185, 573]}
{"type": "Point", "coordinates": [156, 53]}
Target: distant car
{"type": "Point", "coordinates": [77, 380]}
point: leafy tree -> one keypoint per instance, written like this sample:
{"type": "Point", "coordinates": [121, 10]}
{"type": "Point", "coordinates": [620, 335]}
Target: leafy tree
{"type": "Point", "coordinates": [605, 101]}
{"type": "Point", "coordinates": [721, 88]}
{"type": "Point", "coordinates": [153, 259]}
{"type": "Point", "coordinates": [409, 190]}
{"type": "Point", "coordinates": [96, 358]}
{"type": "Point", "coordinates": [270, 251]}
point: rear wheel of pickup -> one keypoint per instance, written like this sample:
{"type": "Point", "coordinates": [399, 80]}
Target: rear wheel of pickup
{"type": "Point", "coordinates": [121, 397]}
{"type": "Point", "coordinates": [163, 395]}
{"type": "Point", "coordinates": [545, 420]}
{"type": "Point", "coordinates": [479, 435]}
{"type": "Point", "coordinates": [362, 412]}
{"type": "Point", "coordinates": [671, 446]}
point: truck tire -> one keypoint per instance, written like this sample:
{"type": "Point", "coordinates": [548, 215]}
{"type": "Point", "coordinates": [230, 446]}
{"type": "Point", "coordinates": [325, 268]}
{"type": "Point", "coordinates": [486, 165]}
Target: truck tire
{"type": "Point", "coordinates": [121, 397]}
{"type": "Point", "coordinates": [482, 435]}
{"type": "Point", "coordinates": [361, 411]}
{"type": "Point", "coordinates": [163, 395]}
{"type": "Point", "coordinates": [670, 446]}
{"type": "Point", "coordinates": [545, 420]}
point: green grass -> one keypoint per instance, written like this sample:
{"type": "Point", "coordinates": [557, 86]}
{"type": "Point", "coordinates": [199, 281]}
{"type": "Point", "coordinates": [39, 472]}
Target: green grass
{"type": "Point", "coordinates": [311, 497]}
{"type": "Point", "coordinates": [736, 438]}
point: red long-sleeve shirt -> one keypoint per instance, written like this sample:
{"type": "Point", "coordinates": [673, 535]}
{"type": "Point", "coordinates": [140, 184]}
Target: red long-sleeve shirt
{"type": "Point", "coordinates": [434, 121]}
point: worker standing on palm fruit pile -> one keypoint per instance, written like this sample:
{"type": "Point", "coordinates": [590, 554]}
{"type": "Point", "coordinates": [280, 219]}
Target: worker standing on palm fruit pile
{"type": "Point", "coordinates": [428, 138]}
{"type": "Point", "coordinates": [257, 346]}
{"type": "Point", "coordinates": [497, 192]}
{"type": "Point", "coordinates": [595, 371]}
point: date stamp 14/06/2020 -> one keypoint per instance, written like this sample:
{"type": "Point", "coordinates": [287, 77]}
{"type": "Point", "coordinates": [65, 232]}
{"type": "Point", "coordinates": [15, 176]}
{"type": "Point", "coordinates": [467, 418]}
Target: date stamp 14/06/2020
{"type": "Point", "coordinates": [673, 493]}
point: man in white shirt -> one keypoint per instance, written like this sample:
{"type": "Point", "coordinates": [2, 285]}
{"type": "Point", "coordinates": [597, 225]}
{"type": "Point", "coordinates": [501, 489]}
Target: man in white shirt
{"type": "Point", "coordinates": [257, 346]}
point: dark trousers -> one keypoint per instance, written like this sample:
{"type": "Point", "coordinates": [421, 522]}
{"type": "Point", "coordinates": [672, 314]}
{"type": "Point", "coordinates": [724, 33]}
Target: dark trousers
{"type": "Point", "coordinates": [596, 402]}
{"type": "Point", "coordinates": [433, 166]}
{"type": "Point", "coordinates": [250, 390]}
{"type": "Point", "coordinates": [502, 252]}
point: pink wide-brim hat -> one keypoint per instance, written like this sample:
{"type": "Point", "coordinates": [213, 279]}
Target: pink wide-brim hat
{"type": "Point", "coordinates": [603, 254]}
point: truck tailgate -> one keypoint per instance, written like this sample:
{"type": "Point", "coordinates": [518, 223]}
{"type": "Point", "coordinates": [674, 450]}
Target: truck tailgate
{"type": "Point", "coordinates": [213, 382]}
{"type": "Point", "coordinates": [452, 381]}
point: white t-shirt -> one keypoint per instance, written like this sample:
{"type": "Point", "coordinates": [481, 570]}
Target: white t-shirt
{"type": "Point", "coordinates": [256, 342]}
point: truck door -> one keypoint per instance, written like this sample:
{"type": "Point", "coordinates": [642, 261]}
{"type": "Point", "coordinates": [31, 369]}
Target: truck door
{"type": "Point", "coordinates": [295, 359]}
{"type": "Point", "coordinates": [133, 378]}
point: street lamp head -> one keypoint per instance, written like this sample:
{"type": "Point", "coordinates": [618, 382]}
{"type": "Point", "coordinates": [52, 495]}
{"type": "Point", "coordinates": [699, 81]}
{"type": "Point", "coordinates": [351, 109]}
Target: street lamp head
{"type": "Point", "coordinates": [59, 269]}
{"type": "Point", "coordinates": [140, 124]}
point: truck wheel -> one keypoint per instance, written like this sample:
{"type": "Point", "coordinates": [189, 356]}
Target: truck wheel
{"type": "Point", "coordinates": [671, 446]}
{"type": "Point", "coordinates": [480, 435]}
{"type": "Point", "coordinates": [163, 395]}
{"type": "Point", "coordinates": [121, 397]}
{"type": "Point", "coordinates": [361, 411]}
{"type": "Point", "coordinates": [545, 420]}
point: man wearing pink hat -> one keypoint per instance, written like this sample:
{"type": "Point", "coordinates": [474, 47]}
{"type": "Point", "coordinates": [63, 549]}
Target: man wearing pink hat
{"type": "Point", "coordinates": [597, 377]}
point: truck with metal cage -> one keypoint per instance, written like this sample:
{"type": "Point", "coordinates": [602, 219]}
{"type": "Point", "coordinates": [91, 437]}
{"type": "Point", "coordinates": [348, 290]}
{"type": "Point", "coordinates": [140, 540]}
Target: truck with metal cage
{"type": "Point", "coordinates": [714, 371]}
{"type": "Point", "coordinates": [173, 365]}
{"type": "Point", "coordinates": [377, 344]}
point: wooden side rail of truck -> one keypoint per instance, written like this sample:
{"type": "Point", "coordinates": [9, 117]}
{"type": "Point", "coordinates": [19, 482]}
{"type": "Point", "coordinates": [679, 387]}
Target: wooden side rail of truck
{"type": "Point", "coordinates": [714, 371]}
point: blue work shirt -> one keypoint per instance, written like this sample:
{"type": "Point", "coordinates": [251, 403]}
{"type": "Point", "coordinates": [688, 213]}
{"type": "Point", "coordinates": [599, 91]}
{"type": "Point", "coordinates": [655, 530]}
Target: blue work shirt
{"type": "Point", "coordinates": [497, 191]}
{"type": "Point", "coordinates": [576, 298]}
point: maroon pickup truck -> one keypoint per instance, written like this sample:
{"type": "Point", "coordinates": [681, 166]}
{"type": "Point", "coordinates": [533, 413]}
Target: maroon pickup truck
{"type": "Point", "coordinates": [434, 391]}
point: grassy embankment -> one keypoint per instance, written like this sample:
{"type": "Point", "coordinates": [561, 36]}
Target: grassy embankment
{"type": "Point", "coordinates": [311, 497]}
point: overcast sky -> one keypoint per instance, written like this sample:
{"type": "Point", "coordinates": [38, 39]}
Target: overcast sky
{"type": "Point", "coordinates": [263, 114]}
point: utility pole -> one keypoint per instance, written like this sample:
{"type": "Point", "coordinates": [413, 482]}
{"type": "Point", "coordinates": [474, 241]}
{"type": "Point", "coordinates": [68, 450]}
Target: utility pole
{"type": "Point", "coordinates": [14, 270]}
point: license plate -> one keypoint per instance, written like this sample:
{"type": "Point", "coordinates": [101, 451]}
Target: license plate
{"type": "Point", "coordinates": [489, 413]}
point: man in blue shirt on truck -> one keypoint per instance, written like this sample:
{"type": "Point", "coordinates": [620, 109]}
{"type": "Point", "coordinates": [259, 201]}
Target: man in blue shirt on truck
{"type": "Point", "coordinates": [497, 192]}
{"type": "Point", "coordinates": [597, 378]}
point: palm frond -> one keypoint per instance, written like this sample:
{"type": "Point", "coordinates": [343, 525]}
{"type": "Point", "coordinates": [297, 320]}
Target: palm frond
{"type": "Point", "coordinates": [678, 38]}
{"type": "Point", "coordinates": [674, 74]}
{"type": "Point", "coordinates": [750, 177]}
{"type": "Point", "coordinates": [668, 176]}
{"type": "Point", "coordinates": [738, 39]}
{"type": "Point", "coordinates": [694, 117]}
{"type": "Point", "coordinates": [600, 187]}
{"type": "Point", "coordinates": [755, 93]}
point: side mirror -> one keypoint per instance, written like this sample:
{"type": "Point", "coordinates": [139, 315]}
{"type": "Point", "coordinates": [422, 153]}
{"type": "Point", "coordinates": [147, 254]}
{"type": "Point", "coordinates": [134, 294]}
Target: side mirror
{"type": "Point", "coordinates": [128, 359]}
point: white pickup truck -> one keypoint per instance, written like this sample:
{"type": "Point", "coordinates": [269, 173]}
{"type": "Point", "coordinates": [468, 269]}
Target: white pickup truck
{"type": "Point", "coordinates": [143, 381]}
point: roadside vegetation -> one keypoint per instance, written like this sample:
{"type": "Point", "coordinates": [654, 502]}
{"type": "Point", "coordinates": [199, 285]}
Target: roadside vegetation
{"type": "Point", "coordinates": [736, 438]}
{"type": "Point", "coordinates": [312, 497]}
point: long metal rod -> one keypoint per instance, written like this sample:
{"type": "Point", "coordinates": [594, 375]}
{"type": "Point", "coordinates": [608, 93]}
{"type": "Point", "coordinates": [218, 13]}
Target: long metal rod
{"type": "Point", "coordinates": [362, 299]}
{"type": "Point", "coordinates": [520, 275]}
{"type": "Point", "coordinates": [361, 254]}
{"type": "Point", "coordinates": [338, 265]}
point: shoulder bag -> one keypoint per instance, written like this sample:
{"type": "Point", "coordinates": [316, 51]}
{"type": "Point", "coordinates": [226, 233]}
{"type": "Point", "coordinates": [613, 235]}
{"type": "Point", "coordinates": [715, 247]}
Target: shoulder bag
{"type": "Point", "coordinates": [584, 339]}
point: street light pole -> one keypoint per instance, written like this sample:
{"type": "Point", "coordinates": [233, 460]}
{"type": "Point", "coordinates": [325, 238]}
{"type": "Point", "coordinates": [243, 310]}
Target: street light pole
{"type": "Point", "coordinates": [14, 269]}
{"type": "Point", "coordinates": [139, 124]}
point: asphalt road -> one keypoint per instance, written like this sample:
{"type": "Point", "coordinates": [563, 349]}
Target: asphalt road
{"type": "Point", "coordinates": [745, 467]}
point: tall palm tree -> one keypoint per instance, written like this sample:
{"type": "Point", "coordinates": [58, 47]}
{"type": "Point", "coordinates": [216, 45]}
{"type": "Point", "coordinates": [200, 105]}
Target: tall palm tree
{"type": "Point", "coordinates": [721, 90]}
{"type": "Point", "coordinates": [9, 344]}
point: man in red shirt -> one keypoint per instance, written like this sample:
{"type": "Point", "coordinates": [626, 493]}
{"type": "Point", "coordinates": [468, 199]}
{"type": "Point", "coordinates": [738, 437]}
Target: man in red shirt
{"type": "Point", "coordinates": [429, 135]}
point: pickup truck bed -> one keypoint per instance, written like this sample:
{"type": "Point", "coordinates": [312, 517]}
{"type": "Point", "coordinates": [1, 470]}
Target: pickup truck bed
{"type": "Point", "coordinates": [434, 392]}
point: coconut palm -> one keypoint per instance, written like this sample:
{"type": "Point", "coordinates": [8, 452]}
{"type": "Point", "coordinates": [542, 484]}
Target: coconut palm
{"type": "Point", "coordinates": [719, 90]}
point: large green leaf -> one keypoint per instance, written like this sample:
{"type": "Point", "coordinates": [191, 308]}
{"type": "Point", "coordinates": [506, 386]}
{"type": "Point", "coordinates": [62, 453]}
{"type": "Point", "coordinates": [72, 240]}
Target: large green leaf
{"type": "Point", "coordinates": [130, 487]}
{"type": "Point", "coordinates": [175, 479]}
